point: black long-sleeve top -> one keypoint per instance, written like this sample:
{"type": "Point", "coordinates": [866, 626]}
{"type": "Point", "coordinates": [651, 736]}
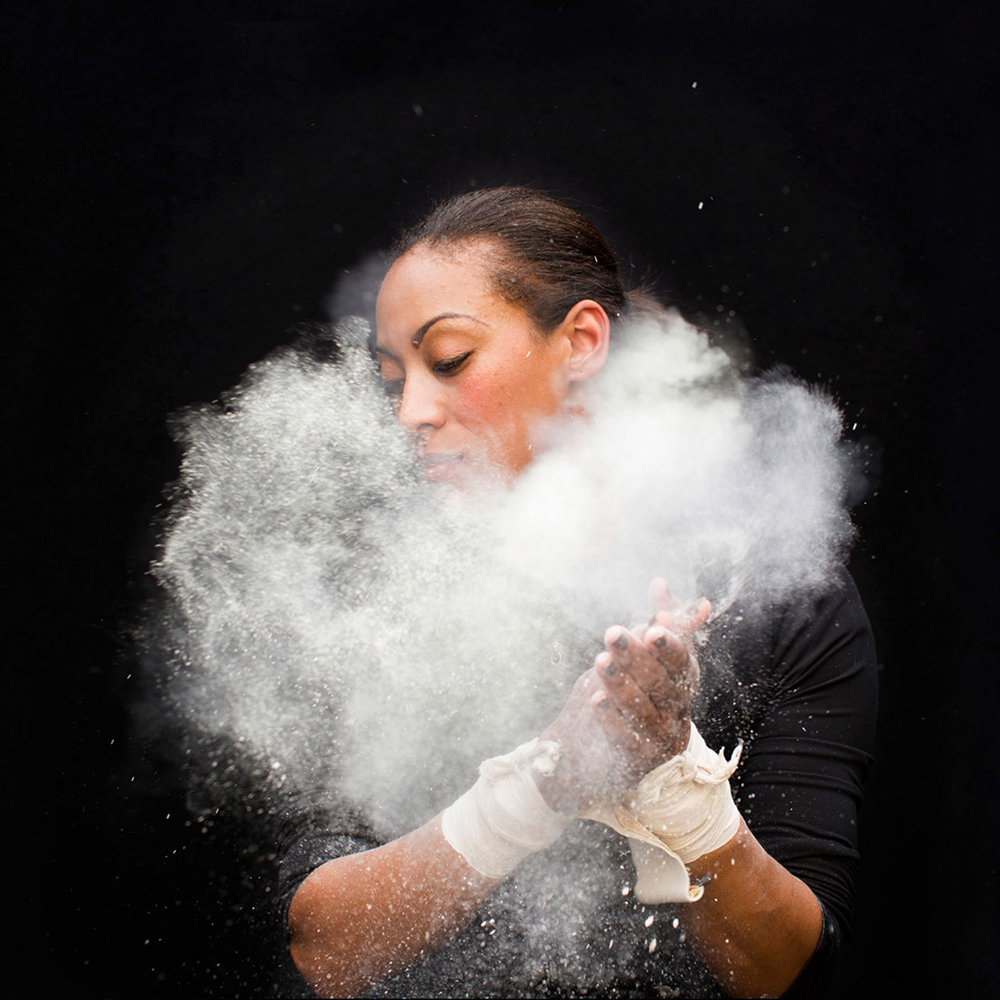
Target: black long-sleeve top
{"type": "Point", "coordinates": [798, 685]}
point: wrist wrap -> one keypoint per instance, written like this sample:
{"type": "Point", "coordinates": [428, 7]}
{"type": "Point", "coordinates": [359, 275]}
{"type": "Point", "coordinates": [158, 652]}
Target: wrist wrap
{"type": "Point", "coordinates": [680, 811]}
{"type": "Point", "coordinates": [503, 818]}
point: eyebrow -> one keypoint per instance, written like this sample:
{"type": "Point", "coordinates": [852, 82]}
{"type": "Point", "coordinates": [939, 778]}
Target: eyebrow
{"type": "Point", "coordinates": [419, 335]}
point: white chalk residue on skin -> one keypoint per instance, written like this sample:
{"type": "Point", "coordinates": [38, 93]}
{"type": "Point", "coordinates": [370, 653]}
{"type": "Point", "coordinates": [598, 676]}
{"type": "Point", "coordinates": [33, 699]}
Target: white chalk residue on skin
{"type": "Point", "coordinates": [350, 624]}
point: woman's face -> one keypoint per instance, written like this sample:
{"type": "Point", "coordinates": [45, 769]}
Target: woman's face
{"type": "Point", "coordinates": [471, 376]}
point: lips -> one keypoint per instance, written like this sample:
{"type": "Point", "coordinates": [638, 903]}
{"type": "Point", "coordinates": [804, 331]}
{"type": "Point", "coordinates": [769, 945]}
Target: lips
{"type": "Point", "coordinates": [439, 466]}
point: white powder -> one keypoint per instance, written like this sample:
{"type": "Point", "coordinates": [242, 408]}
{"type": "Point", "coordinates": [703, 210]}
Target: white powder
{"type": "Point", "coordinates": [352, 624]}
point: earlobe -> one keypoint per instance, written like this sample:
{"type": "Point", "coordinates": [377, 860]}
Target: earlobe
{"type": "Point", "coordinates": [589, 330]}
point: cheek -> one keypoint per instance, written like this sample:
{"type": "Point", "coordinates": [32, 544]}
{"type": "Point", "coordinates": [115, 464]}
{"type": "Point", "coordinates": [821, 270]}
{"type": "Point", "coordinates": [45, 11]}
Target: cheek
{"type": "Point", "coordinates": [486, 400]}
{"type": "Point", "coordinates": [506, 398]}
{"type": "Point", "coordinates": [511, 394]}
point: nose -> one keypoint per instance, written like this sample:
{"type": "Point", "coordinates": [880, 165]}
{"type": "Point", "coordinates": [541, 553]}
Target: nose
{"type": "Point", "coordinates": [421, 406]}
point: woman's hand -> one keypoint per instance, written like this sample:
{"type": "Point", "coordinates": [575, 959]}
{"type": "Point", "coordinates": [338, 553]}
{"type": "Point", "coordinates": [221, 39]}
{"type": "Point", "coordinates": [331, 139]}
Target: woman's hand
{"type": "Point", "coordinates": [650, 680]}
{"type": "Point", "coordinates": [632, 710]}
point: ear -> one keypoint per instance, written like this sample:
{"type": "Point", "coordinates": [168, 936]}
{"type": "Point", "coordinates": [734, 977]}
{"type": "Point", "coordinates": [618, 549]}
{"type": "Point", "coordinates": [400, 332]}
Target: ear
{"type": "Point", "coordinates": [588, 330]}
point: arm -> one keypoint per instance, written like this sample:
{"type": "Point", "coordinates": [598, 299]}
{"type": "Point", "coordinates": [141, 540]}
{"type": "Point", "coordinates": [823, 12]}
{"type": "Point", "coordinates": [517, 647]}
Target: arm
{"type": "Point", "coordinates": [359, 918]}
{"type": "Point", "coordinates": [757, 924]}
{"type": "Point", "coordinates": [362, 917]}
{"type": "Point", "coordinates": [754, 928]}
{"type": "Point", "coordinates": [800, 785]}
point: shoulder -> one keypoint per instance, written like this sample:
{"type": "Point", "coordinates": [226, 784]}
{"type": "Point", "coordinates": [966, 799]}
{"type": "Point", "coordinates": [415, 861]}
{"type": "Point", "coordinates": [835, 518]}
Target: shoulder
{"type": "Point", "coordinates": [313, 827]}
{"type": "Point", "coordinates": [834, 613]}
{"type": "Point", "coordinates": [812, 652]}
{"type": "Point", "coordinates": [809, 633]}
{"type": "Point", "coordinates": [823, 644]}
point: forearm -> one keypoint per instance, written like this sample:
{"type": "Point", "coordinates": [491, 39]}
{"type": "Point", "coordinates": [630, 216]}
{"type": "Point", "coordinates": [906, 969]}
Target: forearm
{"type": "Point", "coordinates": [757, 924]}
{"type": "Point", "coordinates": [359, 918]}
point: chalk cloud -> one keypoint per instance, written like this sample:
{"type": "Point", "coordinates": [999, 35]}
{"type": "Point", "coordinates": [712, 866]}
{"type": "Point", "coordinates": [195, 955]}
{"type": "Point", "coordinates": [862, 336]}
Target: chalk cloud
{"type": "Point", "coordinates": [353, 627]}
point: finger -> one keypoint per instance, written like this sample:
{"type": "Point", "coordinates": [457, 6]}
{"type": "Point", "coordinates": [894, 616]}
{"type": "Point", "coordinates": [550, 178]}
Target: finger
{"type": "Point", "coordinates": [619, 733]}
{"type": "Point", "coordinates": [667, 648]}
{"type": "Point", "coordinates": [670, 695]}
{"type": "Point", "coordinates": [622, 646]}
{"type": "Point", "coordinates": [633, 656]}
{"type": "Point", "coordinates": [659, 595]}
{"type": "Point", "coordinates": [684, 620]}
{"type": "Point", "coordinates": [578, 701]}
{"type": "Point", "coordinates": [631, 701]}
{"type": "Point", "coordinates": [607, 668]}
{"type": "Point", "coordinates": [677, 684]}
{"type": "Point", "coordinates": [697, 613]}
{"type": "Point", "coordinates": [584, 689]}
{"type": "Point", "coordinates": [624, 693]}
{"type": "Point", "coordinates": [635, 732]}
{"type": "Point", "coordinates": [662, 601]}
{"type": "Point", "coordinates": [629, 654]}
{"type": "Point", "coordinates": [601, 702]}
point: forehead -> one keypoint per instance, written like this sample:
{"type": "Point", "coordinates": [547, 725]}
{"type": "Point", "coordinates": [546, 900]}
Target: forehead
{"type": "Point", "coordinates": [445, 279]}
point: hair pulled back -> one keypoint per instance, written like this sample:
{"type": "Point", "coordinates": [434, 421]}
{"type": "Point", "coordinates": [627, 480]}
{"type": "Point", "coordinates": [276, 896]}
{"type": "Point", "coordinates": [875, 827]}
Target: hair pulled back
{"type": "Point", "coordinates": [548, 255]}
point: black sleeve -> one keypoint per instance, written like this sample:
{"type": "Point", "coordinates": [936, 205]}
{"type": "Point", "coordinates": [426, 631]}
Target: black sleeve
{"type": "Point", "coordinates": [814, 978]}
{"type": "Point", "coordinates": [800, 787]}
{"type": "Point", "coordinates": [312, 830]}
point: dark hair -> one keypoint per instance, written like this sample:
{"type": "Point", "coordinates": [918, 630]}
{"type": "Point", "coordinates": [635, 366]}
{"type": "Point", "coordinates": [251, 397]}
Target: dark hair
{"type": "Point", "coordinates": [549, 255]}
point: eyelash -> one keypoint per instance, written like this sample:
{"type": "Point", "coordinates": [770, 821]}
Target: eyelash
{"type": "Point", "coordinates": [446, 368]}
{"type": "Point", "coordinates": [451, 365]}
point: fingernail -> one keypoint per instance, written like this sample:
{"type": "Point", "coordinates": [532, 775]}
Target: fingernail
{"type": "Point", "coordinates": [621, 642]}
{"type": "Point", "coordinates": [611, 669]}
{"type": "Point", "coordinates": [660, 641]}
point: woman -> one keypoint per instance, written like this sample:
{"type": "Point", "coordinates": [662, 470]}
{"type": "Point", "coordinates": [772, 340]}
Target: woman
{"type": "Point", "coordinates": [496, 311]}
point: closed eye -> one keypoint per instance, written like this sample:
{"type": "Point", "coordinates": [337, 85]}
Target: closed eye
{"type": "Point", "coordinates": [448, 366]}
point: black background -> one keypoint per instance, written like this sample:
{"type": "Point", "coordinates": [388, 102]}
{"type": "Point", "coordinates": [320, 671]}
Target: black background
{"type": "Point", "coordinates": [188, 181]}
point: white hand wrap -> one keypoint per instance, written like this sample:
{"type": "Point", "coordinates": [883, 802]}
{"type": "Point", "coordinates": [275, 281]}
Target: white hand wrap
{"type": "Point", "coordinates": [503, 818]}
{"type": "Point", "coordinates": [686, 801]}
{"type": "Point", "coordinates": [678, 812]}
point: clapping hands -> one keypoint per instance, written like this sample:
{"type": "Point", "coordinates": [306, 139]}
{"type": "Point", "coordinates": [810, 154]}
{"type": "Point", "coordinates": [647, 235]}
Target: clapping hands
{"type": "Point", "coordinates": [632, 710]}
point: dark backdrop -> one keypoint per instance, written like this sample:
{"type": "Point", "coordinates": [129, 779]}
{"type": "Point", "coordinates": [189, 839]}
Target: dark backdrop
{"type": "Point", "coordinates": [189, 180]}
